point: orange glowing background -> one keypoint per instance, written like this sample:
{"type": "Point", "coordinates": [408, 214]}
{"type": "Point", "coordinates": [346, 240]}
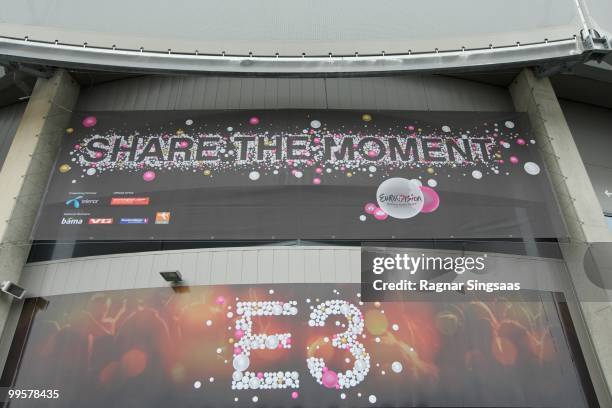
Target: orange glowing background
{"type": "Point", "coordinates": [159, 346]}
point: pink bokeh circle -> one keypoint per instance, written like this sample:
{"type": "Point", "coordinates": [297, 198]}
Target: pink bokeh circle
{"type": "Point", "coordinates": [380, 214]}
{"type": "Point", "coordinates": [89, 121]}
{"type": "Point", "coordinates": [329, 379]}
{"type": "Point", "coordinates": [431, 199]}
{"type": "Point", "coordinates": [369, 208]}
{"type": "Point", "coordinates": [149, 175]}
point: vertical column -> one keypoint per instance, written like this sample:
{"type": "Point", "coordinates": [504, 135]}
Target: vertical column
{"type": "Point", "coordinates": [592, 312]}
{"type": "Point", "coordinates": [24, 175]}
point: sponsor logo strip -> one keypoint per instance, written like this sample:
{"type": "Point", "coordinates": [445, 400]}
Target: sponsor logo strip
{"type": "Point", "coordinates": [162, 217]}
{"type": "Point", "coordinates": [101, 221]}
{"type": "Point", "coordinates": [71, 221]}
{"type": "Point", "coordinates": [130, 201]}
{"type": "Point", "coordinates": [134, 221]}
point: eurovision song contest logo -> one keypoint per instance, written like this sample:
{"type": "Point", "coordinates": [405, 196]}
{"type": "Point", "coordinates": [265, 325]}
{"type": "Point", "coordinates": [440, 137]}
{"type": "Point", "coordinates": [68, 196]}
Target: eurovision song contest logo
{"type": "Point", "coordinates": [400, 198]}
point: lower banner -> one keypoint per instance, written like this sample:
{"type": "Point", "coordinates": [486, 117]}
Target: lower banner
{"type": "Point", "coordinates": [298, 345]}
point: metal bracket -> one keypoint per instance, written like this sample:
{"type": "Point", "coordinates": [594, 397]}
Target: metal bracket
{"type": "Point", "coordinates": [596, 44]}
{"type": "Point", "coordinates": [38, 71]}
{"type": "Point", "coordinates": [554, 68]}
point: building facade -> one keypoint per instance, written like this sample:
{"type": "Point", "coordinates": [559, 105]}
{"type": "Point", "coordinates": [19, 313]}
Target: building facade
{"type": "Point", "coordinates": [248, 168]}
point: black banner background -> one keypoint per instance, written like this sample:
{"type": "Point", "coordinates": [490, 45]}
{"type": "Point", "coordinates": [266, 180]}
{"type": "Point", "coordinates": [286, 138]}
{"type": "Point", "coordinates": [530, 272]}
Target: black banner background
{"type": "Point", "coordinates": [505, 194]}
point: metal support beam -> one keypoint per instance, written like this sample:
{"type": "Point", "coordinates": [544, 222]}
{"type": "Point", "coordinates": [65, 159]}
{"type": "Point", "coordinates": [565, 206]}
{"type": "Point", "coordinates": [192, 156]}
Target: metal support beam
{"type": "Point", "coordinates": [589, 305]}
{"type": "Point", "coordinates": [25, 171]}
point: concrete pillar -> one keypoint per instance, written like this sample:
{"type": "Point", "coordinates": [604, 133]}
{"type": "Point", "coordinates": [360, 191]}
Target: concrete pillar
{"type": "Point", "coordinates": [589, 304]}
{"type": "Point", "coordinates": [25, 172]}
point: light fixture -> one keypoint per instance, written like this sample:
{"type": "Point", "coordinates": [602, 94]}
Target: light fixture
{"type": "Point", "coordinates": [172, 276]}
{"type": "Point", "coordinates": [12, 289]}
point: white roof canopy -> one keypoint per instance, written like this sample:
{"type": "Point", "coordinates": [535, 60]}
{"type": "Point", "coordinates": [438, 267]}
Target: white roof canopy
{"type": "Point", "coordinates": [290, 36]}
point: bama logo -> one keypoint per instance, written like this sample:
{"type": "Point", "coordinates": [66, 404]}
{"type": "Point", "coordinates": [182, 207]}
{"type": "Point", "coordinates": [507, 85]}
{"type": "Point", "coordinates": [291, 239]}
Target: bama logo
{"type": "Point", "coordinates": [100, 221]}
{"type": "Point", "coordinates": [76, 202]}
{"type": "Point", "coordinates": [71, 221]}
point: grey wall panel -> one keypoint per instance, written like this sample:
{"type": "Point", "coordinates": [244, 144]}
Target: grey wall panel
{"type": "Point", "coordinates": [10, 116]}
{"type": "Point", "coordinates": [601, 178]}
{"type": "Point", "coordinates": [444, 93]}
{"type": "Point", "coordinates": [252, 265]}
{"type": "Point", "coordinates": [296, 265]}
{"type": "Point", "coordinates": [249, 265]}
{"type": "Point", "coordinates": [415, 92]}
{"type": "Point", "coordinates": [591, 127]}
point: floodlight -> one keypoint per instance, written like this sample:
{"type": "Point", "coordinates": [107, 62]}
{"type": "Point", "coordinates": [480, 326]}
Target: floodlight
{"type": "Point", "coordinates": [171, 276]}
{"type": "Point", "coordinates": [12, 289]}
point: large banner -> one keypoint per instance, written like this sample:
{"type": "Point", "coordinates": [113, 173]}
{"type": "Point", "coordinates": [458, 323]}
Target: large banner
{"type": "Point", "coordinates": [298, 345]}
{"type": "Point", "coordinates": [288, 174]}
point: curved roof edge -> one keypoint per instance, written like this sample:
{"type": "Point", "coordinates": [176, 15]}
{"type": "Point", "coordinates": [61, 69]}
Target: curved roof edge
{"type": "Point", "coordinates": [560, 52]}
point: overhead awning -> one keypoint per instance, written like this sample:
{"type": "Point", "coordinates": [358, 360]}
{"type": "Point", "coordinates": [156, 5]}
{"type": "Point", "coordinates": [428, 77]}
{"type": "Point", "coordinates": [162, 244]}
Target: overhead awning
{"type": "Point", "coordinates": [292, 37]}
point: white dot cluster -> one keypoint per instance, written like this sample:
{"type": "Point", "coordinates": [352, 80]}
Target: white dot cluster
{"type": "Point", "coordinates": [345, 340]}
{"type": "Point", "coordinates": [271, 308]}
{"type": "Point", "coordinates": [267, 381]}
{"type": "Point", "coordinates": [246, 380]}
